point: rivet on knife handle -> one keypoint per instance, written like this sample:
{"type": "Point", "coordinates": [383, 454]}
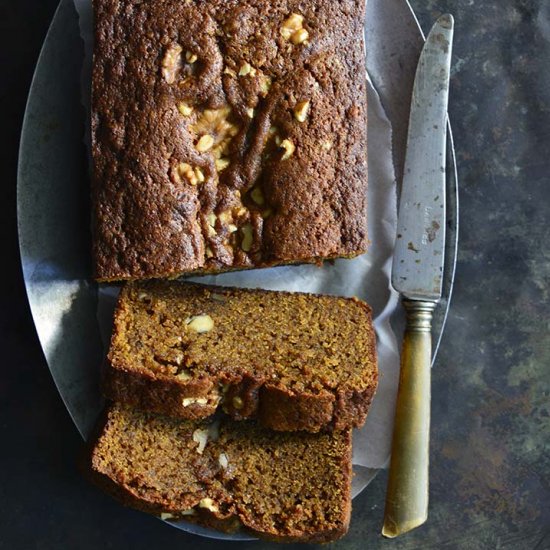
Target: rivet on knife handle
{"type": "Point", "coordinates": [407, 494]}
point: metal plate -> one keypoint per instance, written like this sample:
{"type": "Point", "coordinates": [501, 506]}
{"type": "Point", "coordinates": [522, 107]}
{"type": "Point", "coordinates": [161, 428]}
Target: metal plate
{"type": "Point", "coordinates": [53, 202]}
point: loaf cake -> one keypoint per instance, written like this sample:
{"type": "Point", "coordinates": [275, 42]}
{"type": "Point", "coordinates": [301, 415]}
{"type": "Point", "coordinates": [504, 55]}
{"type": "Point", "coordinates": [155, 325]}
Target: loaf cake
{"type": "Point", "coordinates": [226, 474]}
{"type": "Point", "coordinates": [295, 361]}
{"type": "Point", "coordinates": [227, 135]}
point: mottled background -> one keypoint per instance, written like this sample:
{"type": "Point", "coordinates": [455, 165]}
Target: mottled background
{"type": "Point", "coordinates": [491, 406]}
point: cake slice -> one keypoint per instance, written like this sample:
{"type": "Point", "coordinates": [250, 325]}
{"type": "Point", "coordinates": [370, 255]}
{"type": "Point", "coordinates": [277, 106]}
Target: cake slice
{"type": "Point", "coordinates": [227, 135]}
{"type": "Point", "coordinates": [295, 361]}
{"type": "Point", "coordinates": [226, 474]}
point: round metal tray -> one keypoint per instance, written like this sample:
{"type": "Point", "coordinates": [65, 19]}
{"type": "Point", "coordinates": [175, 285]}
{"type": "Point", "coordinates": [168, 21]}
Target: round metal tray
{"type": "Point", "coordinates": [53, 204]}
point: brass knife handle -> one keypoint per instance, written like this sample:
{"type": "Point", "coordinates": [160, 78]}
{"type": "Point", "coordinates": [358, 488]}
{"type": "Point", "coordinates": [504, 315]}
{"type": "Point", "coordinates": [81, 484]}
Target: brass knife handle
{"type": "Point", "coordinates": [407, 493]}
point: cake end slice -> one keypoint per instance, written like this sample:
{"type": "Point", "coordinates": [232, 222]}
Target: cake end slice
{"type": "Point", "coordinates": [289, 487]}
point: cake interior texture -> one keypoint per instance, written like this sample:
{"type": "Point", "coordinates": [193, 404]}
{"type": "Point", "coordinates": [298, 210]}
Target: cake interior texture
{"type": "Point", "coordinates": [227, 474]}
{"type": "Point", "coordinates": [227, 135]}
{"type": "Point", "coordinates": [226, 346]}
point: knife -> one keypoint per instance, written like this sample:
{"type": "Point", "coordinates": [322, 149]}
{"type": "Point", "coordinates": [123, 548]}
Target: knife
{"type": "Point", "coordinates": [417, 274]}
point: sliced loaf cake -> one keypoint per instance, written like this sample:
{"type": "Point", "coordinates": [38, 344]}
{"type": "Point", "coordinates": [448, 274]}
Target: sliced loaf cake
{"type": "Point", "coordinates": [294, 361]}
{"type": "Point", "coordinates": [225, 474]}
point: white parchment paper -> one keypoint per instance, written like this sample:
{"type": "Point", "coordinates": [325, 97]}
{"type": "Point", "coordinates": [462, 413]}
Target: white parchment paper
{"type": "Point", "coordinates": [367, 277]}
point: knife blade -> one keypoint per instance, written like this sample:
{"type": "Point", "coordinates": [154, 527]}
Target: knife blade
{"type": "Point", "coordinates": [417, 274]}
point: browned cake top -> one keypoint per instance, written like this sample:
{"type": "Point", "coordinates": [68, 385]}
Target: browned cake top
{"type": "Point", "coordinates": [297, 341]}
{"type": "Point", "coordinates": [227, 134]}
{"type": "Point", "coordinates": [286, 485]}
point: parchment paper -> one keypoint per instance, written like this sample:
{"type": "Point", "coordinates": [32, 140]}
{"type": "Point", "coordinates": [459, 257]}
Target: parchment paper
{"type": "Point", "coordinates": [367, 277]}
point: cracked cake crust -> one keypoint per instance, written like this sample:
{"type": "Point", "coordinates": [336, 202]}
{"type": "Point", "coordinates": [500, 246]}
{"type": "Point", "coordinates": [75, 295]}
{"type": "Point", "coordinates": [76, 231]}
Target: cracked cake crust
{"type": "Point", "coordinates": [226, 135]}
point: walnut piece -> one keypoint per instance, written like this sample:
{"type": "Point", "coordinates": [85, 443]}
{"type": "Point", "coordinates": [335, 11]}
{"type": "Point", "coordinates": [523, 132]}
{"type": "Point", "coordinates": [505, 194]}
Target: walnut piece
{"type": "Point", "coordinates": [226, 216]}
{"type": "Point", "coordinates": [292, 24]}
{"type": "Point", "coordinates": [171, 62]}
{"type": "Point", "coordinates": [239, 212]}
{"type": "Point", "coordinates": [200, 437]}
{"type": "Point", "coordinates": [211, 228]}
{"type": "Point", "coordinates": [247, 69]}
{"type": "Point", "coordinates": [184, 109]}
{"type": "Point", "coordinates": [190, 57]}
{"type": "Point", "coordinates": [289, 148]}
{"type": "Point", "coordinates": [299, 37]}
{"type": "Point", "coordinates": [193, 175]}
{"type": "Point", "coordinates": [194, 401]}
{"type": "Point", "coordinates": [222, 164]}
{"type": "Point", "coordinates": [200, 323]}
{"type": "Point", "coordinates": [223, 461]}
{"type": "Point", "coordinates": [211, 219]}
{"type": "Point", "coordinates": [208, 503]}
{"type": "Point", "coordinates": [205, 143]}
{"type": "Point", "coordinates": [214, 123]}
{"type": "Point", "coordinates": [265, 85]}
{"type": "Point", "coordinates": [293, 29]}
{"type": "Point", "coordinates": [301, 111]}
{"type": "Point", "coordinates": [248, 237]}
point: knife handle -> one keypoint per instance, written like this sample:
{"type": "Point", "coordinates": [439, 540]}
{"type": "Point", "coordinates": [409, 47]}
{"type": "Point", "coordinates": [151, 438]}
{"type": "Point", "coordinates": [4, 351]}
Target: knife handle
{"type": "Point", "coordinates": [407, 493]}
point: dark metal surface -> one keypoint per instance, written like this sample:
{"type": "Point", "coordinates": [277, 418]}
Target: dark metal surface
{"type": "Point", "coordinates": [490, 461]}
